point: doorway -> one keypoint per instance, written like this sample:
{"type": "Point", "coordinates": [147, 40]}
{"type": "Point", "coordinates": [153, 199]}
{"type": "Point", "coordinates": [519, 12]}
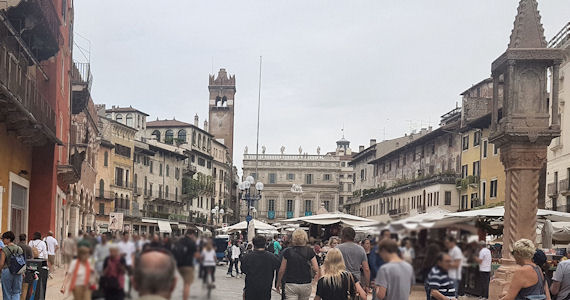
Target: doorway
{"type": "Point", "coordinates": [18, 208]}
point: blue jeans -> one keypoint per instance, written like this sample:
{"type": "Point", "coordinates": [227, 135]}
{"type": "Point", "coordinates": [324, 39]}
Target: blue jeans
{"type": "Point", "coordinates": [11, 285]}
{"type": "Point", "coordinates": [456, 282]}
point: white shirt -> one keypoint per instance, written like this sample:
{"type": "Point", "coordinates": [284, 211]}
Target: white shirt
{"type": "Point", "coordinates": [209, 258]}
{"type": "Point", "coordinates": [127, 249]}
{"type": "Point", "coordinates": [456, 254]}
{"type": "Point", "coordinates": [235, 252]}
{"type": "Point", "coordinates": [51, 244]}
{"type": "Point", "coordinates": [81, 272]}
{"type": "Point", "coordinates": [41, 246]}
{"type": "Point", "coordinates": [485, 256]}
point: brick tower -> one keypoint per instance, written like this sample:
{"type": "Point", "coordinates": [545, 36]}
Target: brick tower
{"type": "Point", "coordinates": [221, 108]}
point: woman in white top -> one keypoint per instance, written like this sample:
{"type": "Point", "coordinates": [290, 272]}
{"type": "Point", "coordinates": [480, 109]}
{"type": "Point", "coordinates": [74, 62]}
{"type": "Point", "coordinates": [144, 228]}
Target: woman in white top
{"type": "Point", "coordinates": [38, 246]}
{"type": "Point", "coordinates": [208, 258]}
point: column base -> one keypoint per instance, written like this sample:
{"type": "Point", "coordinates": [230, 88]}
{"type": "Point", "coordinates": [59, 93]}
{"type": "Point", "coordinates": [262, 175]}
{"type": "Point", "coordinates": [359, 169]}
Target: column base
{"type": "Point", "coordinates": [501, 280]}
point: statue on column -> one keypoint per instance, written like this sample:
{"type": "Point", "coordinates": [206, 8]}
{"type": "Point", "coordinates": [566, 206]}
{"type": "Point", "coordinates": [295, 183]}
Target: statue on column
{"type": "Point", "coordinates": [245, 150]}
{"type": "Point", "coordinates": [300, 150]}
{"type": "Point", "coordinates": [282, 150]}
{"type": "Point", "coordinates": [319, 150]}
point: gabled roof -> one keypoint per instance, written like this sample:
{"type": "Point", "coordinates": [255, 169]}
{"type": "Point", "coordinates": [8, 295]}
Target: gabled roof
{"type": "Point", "coordinates": [167, 123]}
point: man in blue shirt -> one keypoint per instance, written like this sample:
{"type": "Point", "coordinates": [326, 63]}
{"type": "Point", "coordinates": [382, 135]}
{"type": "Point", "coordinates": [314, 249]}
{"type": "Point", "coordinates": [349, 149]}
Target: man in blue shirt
{"type": "Point", "coordinates": [438, 282]}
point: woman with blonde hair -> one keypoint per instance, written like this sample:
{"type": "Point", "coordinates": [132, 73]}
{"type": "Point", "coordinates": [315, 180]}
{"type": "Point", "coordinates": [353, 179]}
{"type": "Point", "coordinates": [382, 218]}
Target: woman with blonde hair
{"type": "Point", "coordinates": [295, 271]}
{"type": "Point", "coordinates": [337, 283]}
{"type": "Point", "coordinates": [528, 281]}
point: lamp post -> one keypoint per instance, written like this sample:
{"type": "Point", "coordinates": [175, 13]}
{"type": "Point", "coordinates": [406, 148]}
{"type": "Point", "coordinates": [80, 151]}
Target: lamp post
{"type": "Point", "coordinates": [248, 195]}
{"type": "Point", "coordinates": [217, 211]}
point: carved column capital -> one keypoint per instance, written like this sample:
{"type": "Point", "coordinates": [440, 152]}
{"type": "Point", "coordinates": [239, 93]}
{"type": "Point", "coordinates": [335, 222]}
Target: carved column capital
{"type": "Point", "coordinates": [523, 157]}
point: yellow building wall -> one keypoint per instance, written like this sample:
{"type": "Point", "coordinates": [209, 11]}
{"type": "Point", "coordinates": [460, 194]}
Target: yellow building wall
{"type": "Point", "coordinates": [492, 168]}
{"type": "Point", "coordinates": [14, 157]}
{"type": "Point", "coordinates": [468, 157]}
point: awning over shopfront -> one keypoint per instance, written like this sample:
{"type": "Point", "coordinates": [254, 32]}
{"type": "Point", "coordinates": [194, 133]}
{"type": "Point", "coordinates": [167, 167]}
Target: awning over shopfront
{"type": "Point", "coordinates": [333, 218]}
{"type": "Point", "coordinates": [164, 226]}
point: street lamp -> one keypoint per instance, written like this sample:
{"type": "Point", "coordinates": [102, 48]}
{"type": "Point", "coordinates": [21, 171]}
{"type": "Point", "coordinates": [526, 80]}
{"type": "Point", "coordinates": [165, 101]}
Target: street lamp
{"type": "Point", "coordinates": [217, 211]}
{"type": "Point", "coordinates": [250, 196]}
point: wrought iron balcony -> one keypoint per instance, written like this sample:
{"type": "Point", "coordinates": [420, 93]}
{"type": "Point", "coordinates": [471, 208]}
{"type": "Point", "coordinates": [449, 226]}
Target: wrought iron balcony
{"type": "Point", "coordinates": [81, 80]}
{"type": "Point", "coordinates": [552, 189]}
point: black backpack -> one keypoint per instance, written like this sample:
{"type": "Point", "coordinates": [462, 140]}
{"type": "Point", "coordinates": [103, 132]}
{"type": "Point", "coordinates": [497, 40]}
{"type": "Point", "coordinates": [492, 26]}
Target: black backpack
{"type": "Point", "coordinates": [270, 247]}
{"type": "Point", "coordinates": [16, 262]}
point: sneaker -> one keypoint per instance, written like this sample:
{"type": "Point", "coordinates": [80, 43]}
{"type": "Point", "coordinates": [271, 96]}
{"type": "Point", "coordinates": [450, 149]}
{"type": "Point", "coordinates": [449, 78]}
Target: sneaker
{"type": "Point", "coordinates": [238, 276]}
{"type": "Point", "coordinates": [229, 275]}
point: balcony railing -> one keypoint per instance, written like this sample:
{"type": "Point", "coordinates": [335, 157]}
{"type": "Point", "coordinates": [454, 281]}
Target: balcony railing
{"type": "Point", "coordinates": [563, 187]}
{"type": "Point", "coordinates": [22, 93]}
{"type": "Point", "coordinates": [128, 212]}
{"type": "Point", "coordinates": [106, 195]}
{"type": "Point", "coordinates": [81, 74]}
{"type": "Point", "coordinates": [552, 189]}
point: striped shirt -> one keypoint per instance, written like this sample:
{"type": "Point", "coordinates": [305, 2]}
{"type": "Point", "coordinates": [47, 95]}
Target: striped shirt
{"type": "Point", "coordinates": [439, 280]}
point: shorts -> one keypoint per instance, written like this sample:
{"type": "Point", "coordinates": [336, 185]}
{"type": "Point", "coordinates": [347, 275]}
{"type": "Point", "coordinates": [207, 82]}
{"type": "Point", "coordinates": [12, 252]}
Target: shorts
{"type": "Point", "coordinates": [51, 259]}
{"type": "Point", "coordinates": [67, 258]}
{"type": "Point", "coordinates": [187, 274]}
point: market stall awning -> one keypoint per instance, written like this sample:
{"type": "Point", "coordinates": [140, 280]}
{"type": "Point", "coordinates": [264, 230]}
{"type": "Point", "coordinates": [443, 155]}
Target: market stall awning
{"type": "Point", "coordinates": [164, 226]}
{"type": "Point", "coordinates": [333, 218]}
{"type": "Point", "coordinates": [258, 225]}
{"type": "Point", "coordinates": [499, 211]}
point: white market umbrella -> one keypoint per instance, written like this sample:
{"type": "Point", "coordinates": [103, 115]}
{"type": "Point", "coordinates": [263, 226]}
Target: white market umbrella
{"type": "Point", "coordinates": [333, 218]}
{"type": "Point", "coordinates": [258, 225]}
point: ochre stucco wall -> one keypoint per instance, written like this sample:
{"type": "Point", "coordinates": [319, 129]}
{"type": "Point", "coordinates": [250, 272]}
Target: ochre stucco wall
{"type": "Point", "coordinates": [14, 157]}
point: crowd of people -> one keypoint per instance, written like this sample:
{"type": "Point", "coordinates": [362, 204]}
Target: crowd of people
{"type": "Point", "coordinates": [111, 266]}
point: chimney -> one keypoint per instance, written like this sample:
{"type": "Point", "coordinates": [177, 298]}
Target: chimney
{"type": "Point", "coordinates": [360, 148]}
{"type": "Point", "coordinates": [372, 142]}
{"type": "Point", "coordinates": [205, 125]}
{"type": "Point", "coordinates": [196, 120]}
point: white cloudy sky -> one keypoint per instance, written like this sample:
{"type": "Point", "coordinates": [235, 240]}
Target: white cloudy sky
{"type": "Point", "coordinates": [380, 68]}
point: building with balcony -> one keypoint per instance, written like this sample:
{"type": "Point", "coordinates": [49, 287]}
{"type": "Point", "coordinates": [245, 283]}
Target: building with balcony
{"type": "Point", "coordinates": [346, 173]}
{"type": "Point", "coordinates": [128, 116]}
{"type": "Point", "coordinates": [35, 67]}
{"type": "Point", "coordinates": [316, 178]}
{"type": "Point", "coordinates": [221, 174]}
{"type": "Point", "coordinates": [198, 183]}
{"type": "Point", "coordinates": [114, 183]}
{"type": "Point", "coordinates": [417, 176]}
{"type": "Point", "coordinates": [78, 213]}
{"type": "Point", "coordinates": [558, 161]}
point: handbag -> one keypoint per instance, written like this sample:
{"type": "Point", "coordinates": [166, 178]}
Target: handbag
{"type": "Point", "coordinates": [351, 292]}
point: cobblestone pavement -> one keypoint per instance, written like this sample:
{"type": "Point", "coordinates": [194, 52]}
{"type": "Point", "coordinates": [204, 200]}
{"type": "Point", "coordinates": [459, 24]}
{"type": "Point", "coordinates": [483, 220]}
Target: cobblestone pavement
{"type": "Point", "coordinates": [226, 289]}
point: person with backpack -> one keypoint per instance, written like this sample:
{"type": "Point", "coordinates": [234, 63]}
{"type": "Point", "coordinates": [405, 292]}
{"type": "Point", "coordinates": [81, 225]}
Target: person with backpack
{"type": "Point", "coordinates": [13, 265]}
{"type": "Point", "coordinates": [39, 247]}
{"type": "Point", "coordinates": [185, 250]}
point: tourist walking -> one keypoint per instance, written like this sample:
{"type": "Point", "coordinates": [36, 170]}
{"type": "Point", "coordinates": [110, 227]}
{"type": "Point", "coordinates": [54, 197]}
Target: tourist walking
{"type": "Point", "coordinates": [561, 279]}
{"type": "Point", "coordinates": [337, 283]}
{"type": "Point", "coordinates": [276, 245]}
{"type": "Point", "coordinates": [101, 252]}
{"type": "Point", "coordinates": [259, 268]}
{"type": "Point", "coordinates": [408, 252]}
{"type": "Point", "coordinates": [27, 249]}
{"type": "Point", "coordinates": [68, 249]}
{"type": "Point", "coordinates": [11, 283]}
{"type": "Point", "coordinates": [39, 247]}
{"type": "Point", "coordinates": [234, 259]}
{"type": "Point", "coordinates": [80, 277]}
{"type": "Point", "coordinates": [438, 283]}
{"type": "Point", "coordinates": [185, 250]}
{"type": "Point", "coordinates": [113, 276]}
{"type": "Point", "coordinates": [395, 278]}
{"type": "Point", "coordinates": [295, 271]}
{"type": "Point", "coordinates": [354, 257]}
{"type": "Point", "coordinates": [484, 260]}
{"type": "Point", "coordinates": [208, 259]}
{"type": "Point", "coordinates": [52, 247]}
{"type": "Point", "coordinates": [527, 282]}
{"type": "Point", "coordinates": [457, 262]}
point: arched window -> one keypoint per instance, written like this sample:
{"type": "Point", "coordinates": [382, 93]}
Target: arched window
{"type": "Point", "coordinates": [218, 101]}
{"type": "Point", "coordinates": [224, 101]}
{"type": "Point", "coordinates": [122, 204]}
{"type": "Point", "coordinates": [106, 159]}
{"type": "Point", "coordinates": [166, 196]}
{"type": "Point", "coordinates": [193, 137]}
{"type": "Point", "coordinates": [167, 171]}
{"type": "Point", "coordinates": [129, 120]}
{"type": "Point", "coordinates": [101, 188]}
{"type": "Point", "coordinates": [127, 204]}
{"type": "Point", "coordinates": [119, 118]}
{"type": "Point", "coordinates": [169, 137]}
{"type": "Point", "coordinates": [156, 135]}
{"type": "Point", "coordinates": [182, 136]}
{"type": "Point", "coordinates": [199, 140]}
{"type": "Point", "coordinates": [117, 200]}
